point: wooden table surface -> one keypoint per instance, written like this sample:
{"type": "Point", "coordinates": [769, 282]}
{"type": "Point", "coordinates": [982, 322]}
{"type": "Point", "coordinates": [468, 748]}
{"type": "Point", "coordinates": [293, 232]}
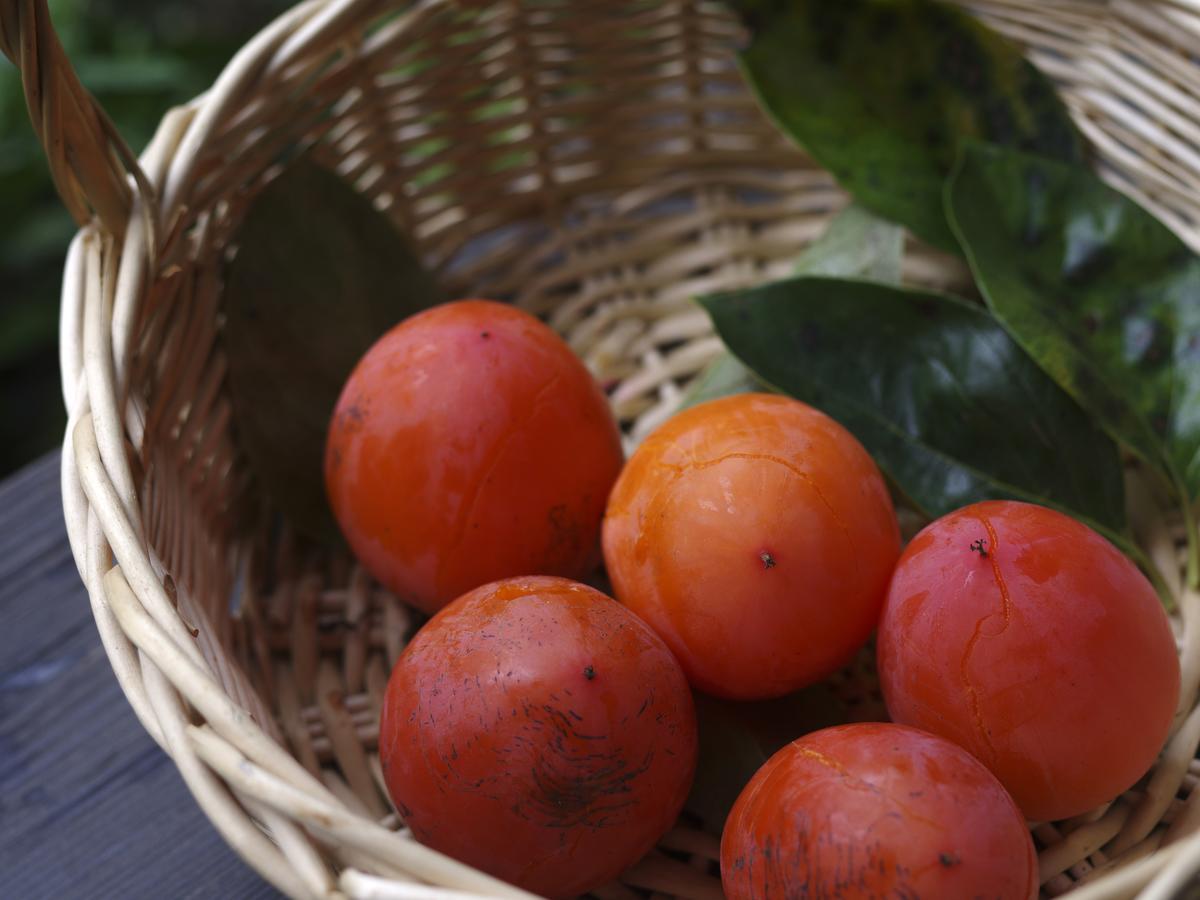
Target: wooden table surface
{"type": "Point", "coordinates": [89, 806]}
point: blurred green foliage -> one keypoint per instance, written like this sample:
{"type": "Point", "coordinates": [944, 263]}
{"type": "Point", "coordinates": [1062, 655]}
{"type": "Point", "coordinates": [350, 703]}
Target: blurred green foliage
{"type": "Point", "coordinates": [138, 58]}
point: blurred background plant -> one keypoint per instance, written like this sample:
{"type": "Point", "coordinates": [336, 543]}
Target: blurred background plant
{"type": "Point", "coordinates": [139, 57]}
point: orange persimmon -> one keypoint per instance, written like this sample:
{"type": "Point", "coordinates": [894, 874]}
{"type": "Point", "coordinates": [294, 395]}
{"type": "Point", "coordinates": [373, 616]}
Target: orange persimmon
{"type": "Point", "coordinates": [1027, 638]}
{"type": "Point", "coordinates": [470, 444]}
{"type": "Point", "coordinates": [538, 730]}
{"type": "Point", "coordinates": [876, 810]}
{"type": "Point", "coordinates": [756, 535]}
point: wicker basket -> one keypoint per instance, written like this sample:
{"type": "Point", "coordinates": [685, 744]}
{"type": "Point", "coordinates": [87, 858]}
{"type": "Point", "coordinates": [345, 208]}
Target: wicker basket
{"type": "Point", "coordinates": [637, 173]}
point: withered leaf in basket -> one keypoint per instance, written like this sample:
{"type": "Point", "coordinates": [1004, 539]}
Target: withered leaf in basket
{"type": "Point", "coordinates": [950, 407]}
{"type": "Point", "coordinates": [881, 93]}
{"type": "Point", "coordinates": [1104, 296]}
{"type": "Point", "coordinates": [854, 244]}
{"type": "Point", "coordinates": [317, 276]}
{"type": "Point", "coordinates": [736, 738]}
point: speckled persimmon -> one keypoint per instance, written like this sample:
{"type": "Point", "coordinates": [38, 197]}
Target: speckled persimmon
{"type": "Point", "coordinates": [470, 444]}
{"type": "Point", "coordinates": [876, 810]}
{"type": "Point", "coordinates": [539, 731]}
{"type": "Point", "coordinates": [1027, 638]}
{"type": "Point", "coordinates": [756, 535]}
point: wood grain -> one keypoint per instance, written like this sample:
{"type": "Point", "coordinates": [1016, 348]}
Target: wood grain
{"type": "Point", "coordinates": [89, 806]}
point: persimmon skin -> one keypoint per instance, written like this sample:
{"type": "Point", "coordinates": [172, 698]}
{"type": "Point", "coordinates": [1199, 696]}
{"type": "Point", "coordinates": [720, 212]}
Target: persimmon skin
{"type": "Point", "coordinates": [470, 444]}
{"type": "Point", "coordinates": [537, 730]}
{"type": "Point", "coordinates": [876, 810]}
{"type": "Point", "coordinates": [1042, 650]}
{"type": "Point", "coordinates": [756, 535]}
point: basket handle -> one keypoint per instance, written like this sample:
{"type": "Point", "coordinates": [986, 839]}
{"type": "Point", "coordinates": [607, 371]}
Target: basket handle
{"type": "Point", "coordinates": [89, 161]}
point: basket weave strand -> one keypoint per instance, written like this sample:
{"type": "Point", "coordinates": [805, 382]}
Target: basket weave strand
{"type": "Point", "coordinates": [598, 162]}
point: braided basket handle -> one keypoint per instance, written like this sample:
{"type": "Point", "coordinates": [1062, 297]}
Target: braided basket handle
{"type": "Point", "coordinates": [89, 161]}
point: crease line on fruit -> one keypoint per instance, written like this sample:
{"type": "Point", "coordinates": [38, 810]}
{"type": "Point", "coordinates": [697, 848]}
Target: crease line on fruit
{"type": "Point", "coordinates": [820, 758]}
{"type": "Point", "coordinates": [460, 528]}
{"type": "Point", "coordinates": [738, 454]}
{"type": "Point", "coordinates": [977, 634]}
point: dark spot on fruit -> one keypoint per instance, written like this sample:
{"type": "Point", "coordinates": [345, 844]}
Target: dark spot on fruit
{"type": "Point", "coordinates": [589, 672]}
{"type": "Point", "coordinates": [593, 789]}
{"type": "Point", "coordinates": [949, 860]}
{"type": "Point", "coordinates": [979, 545]}
{"type": "Point", "coordinates": [485, 334]}
{"type": "Point", "coordinates": [768, 560]}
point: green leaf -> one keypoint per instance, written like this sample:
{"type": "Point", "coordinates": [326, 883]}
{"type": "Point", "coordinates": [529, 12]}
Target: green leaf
{"type": "Point", "coordinates": [319, 274]}
{"type": "Point", "coordinates": [723, 377]}
{"type": "Point", "coordinates": [880, 92]}
{"type": "Point", "coordinates": [737, 738]}
{"type": "Point", "coordinates": [945, 401]}
{"type": "Point", "coordinates": [1104, 296]}
{"type": "Point", "coordinates": [855, 243]}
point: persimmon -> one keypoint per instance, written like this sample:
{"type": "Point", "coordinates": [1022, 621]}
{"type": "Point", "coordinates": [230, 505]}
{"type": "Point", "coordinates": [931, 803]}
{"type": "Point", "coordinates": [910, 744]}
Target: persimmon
{"type": "Point", "coordinates": [876, 810]}
{"type": "Point", "coordinates": [756, 535]}
{"type": "Point", "coordinates": [1027, 638]}
{"type": "Point", "coordinates": [539, 731]}
{"type": "Point", "coordinates": [470, 444]}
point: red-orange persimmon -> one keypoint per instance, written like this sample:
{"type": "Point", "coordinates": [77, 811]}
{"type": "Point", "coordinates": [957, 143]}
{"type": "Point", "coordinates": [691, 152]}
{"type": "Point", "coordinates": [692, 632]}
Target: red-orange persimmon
{"type": "Point", "coordinates": [876, 810]}
{"type": "Point", "coordinates": [756, 535]}
{"type": "Point", "coordinates": [1024, 636]}
{"type": "Point", "coordinates": [539, 731]}
{"type": "Point", "coordinates": [470, 444]}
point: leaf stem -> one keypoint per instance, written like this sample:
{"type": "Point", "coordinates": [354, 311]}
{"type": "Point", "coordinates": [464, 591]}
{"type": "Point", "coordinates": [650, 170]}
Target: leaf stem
{"type": "Point", "coordinates": [1193, 540]}
{"type": "Point", "coordinates": [1189, 526]}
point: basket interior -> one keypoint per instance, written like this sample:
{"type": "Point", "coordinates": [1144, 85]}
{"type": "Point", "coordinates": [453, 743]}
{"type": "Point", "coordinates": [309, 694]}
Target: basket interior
{"type": "Point", "coordinates": [597, 162]}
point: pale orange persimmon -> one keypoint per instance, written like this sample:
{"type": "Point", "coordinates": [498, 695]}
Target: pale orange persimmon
{"type": "Point", "coordinates": [756, 535]}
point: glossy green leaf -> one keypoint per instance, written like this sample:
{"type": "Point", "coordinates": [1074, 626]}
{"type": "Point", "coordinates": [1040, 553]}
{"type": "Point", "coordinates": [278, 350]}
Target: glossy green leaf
{"type": "Point", "coordinates": [950, 407]}
{"type": "Point", "coordinates": [319, 274]}
{"type": "Point", "coordinates": [855, 243]}
{"type": "Point", "coordinates": [1104, 296]}
{"type": "Point", "coordinates": [880, 92]}
{"type": "Point", "coordinates": [736, 738]}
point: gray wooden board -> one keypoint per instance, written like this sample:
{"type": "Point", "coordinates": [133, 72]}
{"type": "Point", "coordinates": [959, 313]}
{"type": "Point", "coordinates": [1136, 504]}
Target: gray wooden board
{"type": "Point", "coordinates": [89, 806]}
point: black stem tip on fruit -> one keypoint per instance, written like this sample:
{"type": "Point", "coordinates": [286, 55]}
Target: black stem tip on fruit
{"type": "Point", "coordinates": [979, 545]}
{"type": "Point", "coordinates": [589, 672]}
{"type": "Point", "coordinates": [768, 560]}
